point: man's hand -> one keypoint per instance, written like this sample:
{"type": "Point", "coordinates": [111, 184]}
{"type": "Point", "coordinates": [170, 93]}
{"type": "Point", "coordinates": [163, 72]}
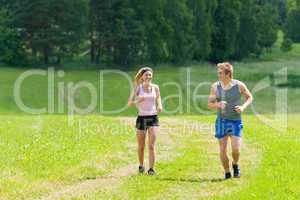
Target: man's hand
{"type": "Point", "coordinates": [222, 104]}
{"type": "Point", "coordinates": [239, 109]}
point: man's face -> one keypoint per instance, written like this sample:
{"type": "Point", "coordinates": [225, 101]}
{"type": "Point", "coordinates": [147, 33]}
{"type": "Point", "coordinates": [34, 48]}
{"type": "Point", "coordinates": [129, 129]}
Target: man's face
{"type": "Point", "coordinates": [221, 75]}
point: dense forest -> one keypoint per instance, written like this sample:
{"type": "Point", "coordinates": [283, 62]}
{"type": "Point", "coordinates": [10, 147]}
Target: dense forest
{"type": "Point", "coordinates": [129, 32]}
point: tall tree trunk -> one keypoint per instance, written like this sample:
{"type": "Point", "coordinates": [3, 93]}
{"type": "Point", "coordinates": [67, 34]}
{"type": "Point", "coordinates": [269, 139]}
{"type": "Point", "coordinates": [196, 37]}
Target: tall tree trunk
{"type": "Point", "coordinates": [58, 60]}
{"type": "Point", "coordinates": [97, 60]}
{"type": "Point", "coordinates": [46, 55]}
{"type": "Point", "coordinates": [92, 52]}
{"type": "Point", "coordinates": [93, 48]}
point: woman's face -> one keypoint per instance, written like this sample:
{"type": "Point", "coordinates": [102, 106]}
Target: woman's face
{"type": "Point", "coordinates": [147, 76]}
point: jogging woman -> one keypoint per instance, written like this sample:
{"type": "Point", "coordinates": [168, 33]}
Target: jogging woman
{"type": "Point", "coordinates": [225, 96]}
{"type": "Point", "coordinates": [146, 96]}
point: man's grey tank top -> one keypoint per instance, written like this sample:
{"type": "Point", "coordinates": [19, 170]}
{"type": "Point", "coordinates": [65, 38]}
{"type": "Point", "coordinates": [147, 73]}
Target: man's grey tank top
{"type": "Point", "coordinates": [233, 98]}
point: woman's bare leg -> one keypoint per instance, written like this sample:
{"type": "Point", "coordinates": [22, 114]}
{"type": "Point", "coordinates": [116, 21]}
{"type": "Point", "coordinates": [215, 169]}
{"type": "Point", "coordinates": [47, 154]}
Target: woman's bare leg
{"type": "Point", "coordinates": [151, 145]}
{"type": "Point", "coordinates": [141, 136]}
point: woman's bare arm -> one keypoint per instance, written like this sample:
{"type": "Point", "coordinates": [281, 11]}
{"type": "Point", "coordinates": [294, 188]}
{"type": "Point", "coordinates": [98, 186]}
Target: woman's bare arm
{"type": "Point", "coordinates": [132, 97]}
{"type": "Point", "coordinates": [158, 99]}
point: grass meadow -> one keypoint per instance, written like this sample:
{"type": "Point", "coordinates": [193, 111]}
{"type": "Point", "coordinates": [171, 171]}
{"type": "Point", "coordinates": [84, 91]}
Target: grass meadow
{"type": "Point", "coordinates": [53, 155]}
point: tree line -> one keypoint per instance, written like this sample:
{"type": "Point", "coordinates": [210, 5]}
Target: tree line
{"type": "Point", "coordinates": [129, 32]}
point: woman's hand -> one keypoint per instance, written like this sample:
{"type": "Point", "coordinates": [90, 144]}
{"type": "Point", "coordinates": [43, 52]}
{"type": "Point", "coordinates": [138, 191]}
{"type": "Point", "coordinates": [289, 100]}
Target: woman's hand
{"type": "Point", "coordinates": [140, 99]}
{"type": "Point", "coordinates": [159, 109]}
{"type": "Point", "coordinates": [130, 103]}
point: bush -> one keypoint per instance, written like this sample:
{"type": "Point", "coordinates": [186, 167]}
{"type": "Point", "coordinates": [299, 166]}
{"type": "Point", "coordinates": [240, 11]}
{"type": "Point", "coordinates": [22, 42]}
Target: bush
{"type": "Point", "coordinates": [286, 45]}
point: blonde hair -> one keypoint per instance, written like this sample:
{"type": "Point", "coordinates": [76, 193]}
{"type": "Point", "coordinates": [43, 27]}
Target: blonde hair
{"type": "Point", "coordinates": [139, 74]}
{"type": "Point", "coordinates": [227, 68]}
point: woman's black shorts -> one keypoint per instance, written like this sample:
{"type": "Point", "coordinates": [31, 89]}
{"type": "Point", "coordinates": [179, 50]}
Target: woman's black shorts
{"type": "Point", "coordinates": [144, 122]}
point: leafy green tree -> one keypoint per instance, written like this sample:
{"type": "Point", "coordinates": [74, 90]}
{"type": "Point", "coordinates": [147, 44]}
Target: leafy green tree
{"type": "Point", "coordinates": [51, 29]}
{"type": "Point", "coordinates": [293, 24]}
{"type": "Point", "coordinates": [291, 5]}
{"type": "Point", "coordinates": [181, 40]}
{"type": "Point", "coordinates": [100, 30]}
{"type": "Point", "coordinates": [202, 26]}
{"type": "Point", "coordinates": [116, 32]}
{"type": "Point", "coordinates": [282, 12]}
{"type": "Point", "coordinates": [157, 31]}
{"type": "Point", "coordinates": [129, 32]}
{"type": "Point", "coordinates": [266, 25]}
{"type": "Point", "coordinates": [247, 34]}
{"type": "Point", "coordinates": [227, 23]}
{"type": "Point", "coordinates": [11, 45]}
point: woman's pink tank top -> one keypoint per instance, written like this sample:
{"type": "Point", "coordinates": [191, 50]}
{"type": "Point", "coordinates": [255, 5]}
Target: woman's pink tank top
{"type": "Point", "coordinates": [148, 105]}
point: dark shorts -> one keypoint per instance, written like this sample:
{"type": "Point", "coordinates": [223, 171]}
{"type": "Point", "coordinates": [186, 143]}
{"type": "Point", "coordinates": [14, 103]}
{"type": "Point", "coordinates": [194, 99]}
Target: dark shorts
{"type": "Point", "coordinates": [228, 127]}
{"type": "Point", "coordinates": [144, 122]}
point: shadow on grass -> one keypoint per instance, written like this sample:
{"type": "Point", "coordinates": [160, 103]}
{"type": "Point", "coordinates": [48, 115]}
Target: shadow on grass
{"type": "Point", "coordinates": [192, 180]}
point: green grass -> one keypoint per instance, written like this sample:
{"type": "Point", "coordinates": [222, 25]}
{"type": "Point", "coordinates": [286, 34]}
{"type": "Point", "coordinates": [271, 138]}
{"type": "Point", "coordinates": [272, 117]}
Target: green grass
{"type": "Point", "coordinates": [173, 83]}
{"type": "Point", "coordinates": [269, 164]}
{"type": "Point", "coordinates": [42, 152]}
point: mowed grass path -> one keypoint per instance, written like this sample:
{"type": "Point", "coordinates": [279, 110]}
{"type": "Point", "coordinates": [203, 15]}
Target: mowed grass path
{"type": "Point", "coordinates": [42, 155]}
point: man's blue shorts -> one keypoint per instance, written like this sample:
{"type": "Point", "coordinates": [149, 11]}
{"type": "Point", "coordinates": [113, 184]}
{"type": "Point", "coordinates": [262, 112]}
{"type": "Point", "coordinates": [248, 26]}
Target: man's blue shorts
{"type": "Point", "coordinates": [228, 127]}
